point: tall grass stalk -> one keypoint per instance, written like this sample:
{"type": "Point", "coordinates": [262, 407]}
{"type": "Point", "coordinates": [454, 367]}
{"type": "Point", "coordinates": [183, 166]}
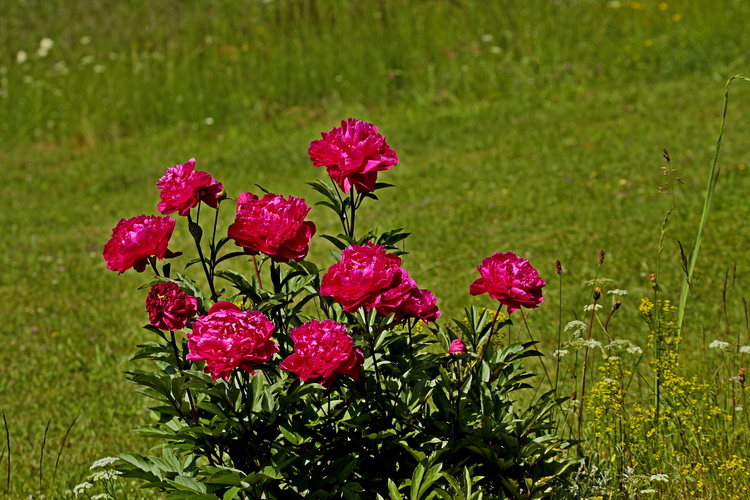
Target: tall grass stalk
{"type": "Point", "coordinates": [713, 179]}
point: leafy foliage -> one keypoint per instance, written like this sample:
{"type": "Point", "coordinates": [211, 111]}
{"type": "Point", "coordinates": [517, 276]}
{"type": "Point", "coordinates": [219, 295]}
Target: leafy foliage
{"type": "Point", "coordinates": [419, 421]}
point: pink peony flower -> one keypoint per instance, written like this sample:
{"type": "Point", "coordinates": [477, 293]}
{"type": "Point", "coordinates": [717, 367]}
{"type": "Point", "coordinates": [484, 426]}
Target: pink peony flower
{"type": "Point", "coordinates": [136, 239]}
{"type": "Point", "coordinates": [273, 226]}
{"type": "Point", "coordinates": [323, 350]}
{"type": "Point", "coordinates": [169, 308]}
{"type": "Point", "coordinates": [420, 304]}
{"type": "Point", "coordinates": [362, 276]}
{"type": "Point", "coordinates": [182, 188]}
{"type": "Point", "coordinates": [228, 338]}
{"type": "Point", "coordinates": [457, 348]}
{"type": "Point", "coordinates": [511, 280]}
{"type": "Point", "coordinates": [393, 298]}
{"type": "Point", "coordinates": [353, 154]}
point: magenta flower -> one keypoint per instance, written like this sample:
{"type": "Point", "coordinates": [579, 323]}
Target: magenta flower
{"type": "Point", "coordinates": [228, 338]}
{"type": "Point", "coordinates": [182, 188]}
{"type": "Point", "coordinates": [392, 299]}
{"type": "Point", "coordinates": [136, 239]}
{"type": "Point", "coordinates": [364, 274]}
{"type": "Point", "coordinates": [457, 348]}
{"type": "Point", "coordinates": [353, 154]}
{"type": "Point", "coordinates": [169, 308]}
{"type": "Point", "coordinates": [323, 350]}
{"type": "Point", "coordinates": [273, 226]}
{"type": "Point", "coordinates": [420, 304]}
{"type": "Point", "coordinates": [510, 280]}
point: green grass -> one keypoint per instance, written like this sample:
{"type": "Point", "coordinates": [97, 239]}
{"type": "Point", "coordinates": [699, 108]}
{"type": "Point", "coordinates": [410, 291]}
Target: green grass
{"type": "Point", "coordinates": [557, 168]}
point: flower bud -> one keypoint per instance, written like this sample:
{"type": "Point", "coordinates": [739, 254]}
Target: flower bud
{"type": "Point", "coordinates": [558, 266]}
{"type": "Point", "coordinates": [601, 256]}
{"type": "Point", "coordinates": [597, 293]}
{"type": "Point", "coordinates": [457, 348]}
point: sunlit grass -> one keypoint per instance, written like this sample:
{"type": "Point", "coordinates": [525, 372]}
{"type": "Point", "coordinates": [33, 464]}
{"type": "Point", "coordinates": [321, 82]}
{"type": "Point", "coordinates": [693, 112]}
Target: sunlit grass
{"type": "Point", "coordinates": [548, 144]}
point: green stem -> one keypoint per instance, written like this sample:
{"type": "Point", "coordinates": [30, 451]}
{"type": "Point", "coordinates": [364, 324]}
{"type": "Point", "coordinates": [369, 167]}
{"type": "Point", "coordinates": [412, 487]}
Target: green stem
{"type": "Point", "coordinates": [585, 366]}
{"type": "Point", "coordinates": [710, 189]}
{"type": "Point", "coordinates": [257, 272]}
{"type": "Point", "coordinates": [489, 339]}
{"type": "Point", "coordinates": [353, 211]}
{"type": "Point", "coordinates": [214, 297]}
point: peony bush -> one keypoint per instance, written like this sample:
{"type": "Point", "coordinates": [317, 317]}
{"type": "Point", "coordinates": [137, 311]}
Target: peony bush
{"type": "Point", "coordinates": [279, 379]}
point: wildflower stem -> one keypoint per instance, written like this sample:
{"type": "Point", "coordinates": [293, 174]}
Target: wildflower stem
{"type": "Point", "coordinates": [710, 189]}
{"type": "Point", "coordinates": [585, 366]}
{"type": "Point", "coordinates": [559, 330]}
{"type": "Point", "coordinates": [528, 330]}
{"type": "Point", "coordinates": [7, 446]}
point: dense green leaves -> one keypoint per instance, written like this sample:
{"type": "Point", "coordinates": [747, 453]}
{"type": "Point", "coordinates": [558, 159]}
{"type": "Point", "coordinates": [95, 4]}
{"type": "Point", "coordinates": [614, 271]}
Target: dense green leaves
{"type": "Point", "coordinates": [415, 423]}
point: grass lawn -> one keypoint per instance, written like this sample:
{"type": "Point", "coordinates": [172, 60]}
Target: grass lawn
{"type": "Point", "coordinates": [555, 168]}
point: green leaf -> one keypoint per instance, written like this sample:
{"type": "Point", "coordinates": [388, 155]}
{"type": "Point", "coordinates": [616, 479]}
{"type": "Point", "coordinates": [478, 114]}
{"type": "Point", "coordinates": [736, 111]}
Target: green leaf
{"type": "Point", "coordinates": [230, 493]}
{"type": "Point", "coordinates": [393, 491]}
{"type": "Point", "coordinates": [196, 231]}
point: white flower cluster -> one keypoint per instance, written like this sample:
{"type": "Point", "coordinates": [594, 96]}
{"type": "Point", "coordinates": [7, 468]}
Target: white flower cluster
{"type": "Point", "coordinates": [592, 344]}
{"type": "Point", "coordinates": [560, 353]}
{"type": "Point", "coordinates": [590, 307]}
{"type": "Point", "coordinates": [662, 478]}
{"type": "Point", "coordinates": [617, 292]}
{"type": "Point", "coordinates": [598, 282]}
{"type": "Point", "coordinates": [745, 349]}
{"type": "Point", "coordinates": [81, 488]}
{"type": "Point", "coordinates": [718, 344]}
{"type": "Point", "coordinates": [103, 462]}
{"type": "Point", "coordinates": [578, 327]}
{"type": "Point", "coordinates": [620, 345]}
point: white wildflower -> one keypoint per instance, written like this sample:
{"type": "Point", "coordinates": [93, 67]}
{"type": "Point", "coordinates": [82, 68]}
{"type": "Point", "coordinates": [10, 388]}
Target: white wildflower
{"type": "Point", "coordinates": [664, 478]}
{"type": "Point", "coordinates": [495, 49]}
{"type": "Point", "coordinates": [578, 327]}
{"type": "Point", "coordinates": [209, 121]}
{"type": "Point", "coordinates": [598, 282]}
{"type": "Point", "coordinates": [614, 358]}
{"type": "Point", "coordinates": [85, 60]}
{"type": "Point", "coordinates": [745, 349]}
{"type": "Point", "coordinates": [648, 491]}
{"type": "Point", "coordinates": [46, 44]}
{"type": "Point", "coordinates": [21, 57]}
{"type": "Point", "coordinates": [592, 344]}
{"type": "Point", "coordinates": [103, 462]}
{"type": "Point", "coordinates": [617, 292]}
{"type": "Point", "coordinates": [80, 488]}
{"type": "Point", "coordinates": [634, 349]}
{"type": "Point", "coordinates": [104, 475]}
{"type": "Point", "coordinates": [589, 307]}
{"type": "Point", "coordinates": [739, 408]}
{"type": "Point", "coordinates": [609, 381]}
{"type": "Point", "coordinates": [101, 496]}
{"type": "Point", "coordinates": [487, 38]}
{"type": "Point", "coordinates": [561, 353]}
{"type": "Point", "coordinates": [718, 344]}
